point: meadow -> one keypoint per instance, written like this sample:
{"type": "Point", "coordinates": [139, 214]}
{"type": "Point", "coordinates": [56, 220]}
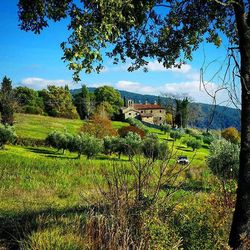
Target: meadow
{"type": "Point", "coordinates": [45, 195]}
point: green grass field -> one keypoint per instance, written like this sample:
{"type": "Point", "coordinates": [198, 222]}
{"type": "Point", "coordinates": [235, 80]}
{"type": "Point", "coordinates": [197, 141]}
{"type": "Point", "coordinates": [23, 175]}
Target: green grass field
{"type": "Point", "coordinates": [38, 127]}
{"type": "Point", "coordinates": [43, 193]}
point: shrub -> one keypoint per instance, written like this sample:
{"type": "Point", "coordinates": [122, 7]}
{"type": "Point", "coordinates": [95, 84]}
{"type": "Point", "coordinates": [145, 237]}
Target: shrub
{"type": "Point", "coordinates": [153, 148]}
{"type": "Point", "coordinates": [208, 139]}
{"type": "Point", "coordinates": [200, 225]}
{"type": "Point", "coordinates": [108, 144]}
{"type": "Point", "coordinates": [136, 123]}
{"type": "Point", "coordinates": [33, 110]}
{"type": "Point", "coordinates": [187, 131]}
{"type": "Point", "coordinates": [85, 144]}
{"type": "Point", "coordinates": [58, 140]}
{"type": "Point", "coordinates": [231, 134]}
{"type": "Point", "coordinates": [132, 144]}
{"type": "Point", "coordinates": [194, 144]}
{"type": "Point", "coordinates": [7, 135]}
{"type": "Point", "coordinates": [165, 128]}
{"type": "Point", "coordinates": [128, 145]}
{"type": "Point", "coordinates": [223, 159]}
{"type": "Point", "coordinates": [175, 135]}
{"type": "Point", "coordinates": [125, 130]}
{"type": "Point", "coordinates": [99, 127]}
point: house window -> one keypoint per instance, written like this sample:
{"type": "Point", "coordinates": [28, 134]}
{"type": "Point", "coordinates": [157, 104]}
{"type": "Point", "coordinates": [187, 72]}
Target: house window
{"type": "Point", "coordinates": [151, 111]}
{"type": "Point", "coordinates": [160, 111]}
{"type": "Point", "coordinates": [129, 113]}
{"type": "Point", "coordinates": [142, 111]}
{"type": "Point", "coordinates": [160, 118]}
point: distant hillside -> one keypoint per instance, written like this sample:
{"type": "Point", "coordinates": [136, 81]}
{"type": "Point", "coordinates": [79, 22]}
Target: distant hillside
{"type": "Point", "coordinates": [223, 116]}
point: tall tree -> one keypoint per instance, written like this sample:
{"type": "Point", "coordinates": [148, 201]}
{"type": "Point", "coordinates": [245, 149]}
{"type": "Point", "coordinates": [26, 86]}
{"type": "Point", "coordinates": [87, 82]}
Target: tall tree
{"type": "Point", "coordinates": [82, 103]}
{"type": "Point", "coordinates": [58, 102]}
{"type": "Point", "coordinates": [178, 106]}
{"type": "Point", "coordinates": [28, 100]}
{"type": "Point", "coordinates": [108, 97]}
{"type": "Point", "coordinates": [168, 30]}
{"type": "Point", "coordinates": [6, 102]}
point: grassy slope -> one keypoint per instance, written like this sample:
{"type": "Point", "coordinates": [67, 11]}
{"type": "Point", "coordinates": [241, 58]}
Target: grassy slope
{"type": "Point", "coordinates": [38, 127]}
{"type": "Point", "coordinates": [39, 179]}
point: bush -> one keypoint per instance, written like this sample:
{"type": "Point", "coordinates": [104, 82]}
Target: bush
{"type": "Point", "coordinates": [85, 144]}
{"type": "Point", "coordinates": [208, 139]}
{"type": "Point", "coordinates": [58, 140]}
{"type": "Point", "coordinates": [153, 148]}
{"type": "Point", "coordinates": [33, 110]}
{"type": "Point", "coordinates": [136, 123]}
{"type": "Point", "coordinates": [175, 135]}
{"type": "Point", "coordinates": [99, 127]}
{"type": "Point", "coordinates": [132, 144]}
{"type": "Point", "coordinates": [165, 128]}
{"type": "Point", "coordinates": [223, 159]}
{"type": "Point", "coordinates": [125, 130]}
{"type": "Point", "coordinates": [200, 225]}
{"type": "Point", "coordinates": [7, 135]}
{"type": "Point", "coordinates": [129, 145]}
{"type": "Point", "coordinates": [193, 143]}
{"type": "Point", "coordinates": [108, 144]}
{"type": "Point", "coordinates": [231, 134]}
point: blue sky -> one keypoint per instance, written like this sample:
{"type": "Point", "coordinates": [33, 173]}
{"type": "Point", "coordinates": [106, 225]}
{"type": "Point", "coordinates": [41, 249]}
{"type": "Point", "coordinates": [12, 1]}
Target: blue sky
{"type": "Point", "coordinates": [35, 61]}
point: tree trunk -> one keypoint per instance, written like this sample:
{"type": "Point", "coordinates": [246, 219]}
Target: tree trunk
{"type": "Point", "coordinates": [240, 230]}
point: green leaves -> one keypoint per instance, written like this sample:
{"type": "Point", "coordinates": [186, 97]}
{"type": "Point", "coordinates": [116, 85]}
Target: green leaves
{"type": "Point", "coordinates": [166, 30]}
{"type": "Point", "coordinates": [7, 134]}
{"type": "Point", "coordinates": [223, 159]}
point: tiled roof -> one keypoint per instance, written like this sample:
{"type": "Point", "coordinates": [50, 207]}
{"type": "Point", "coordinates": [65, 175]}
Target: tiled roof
{"type": "Point", "coordinates": [147, 106]}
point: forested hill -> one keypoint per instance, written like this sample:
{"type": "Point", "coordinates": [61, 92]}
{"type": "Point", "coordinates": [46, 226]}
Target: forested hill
{"type": "Point", "coordinates": [223, 117]}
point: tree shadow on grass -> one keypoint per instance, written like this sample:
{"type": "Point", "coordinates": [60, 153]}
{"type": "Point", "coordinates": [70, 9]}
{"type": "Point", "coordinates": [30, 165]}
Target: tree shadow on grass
{"type": "Point", "coordinates": [49, 153]}
{"type": "Point", "coordinates": [105, 157]}
{"type": "Point", "coordinates": [41, 151]}
{"type": "Point", "coordinates": [205, 146]}
{"type": "Point", "coordinates": [182, 148]}
{"type": "Point", "coordinates": [62, 157]}
{"type": "Point", "coordinates": [15, 228]}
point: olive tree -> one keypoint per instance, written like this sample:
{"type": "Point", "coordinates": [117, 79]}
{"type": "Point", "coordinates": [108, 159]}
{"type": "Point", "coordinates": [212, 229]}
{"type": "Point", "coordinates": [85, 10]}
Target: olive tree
{"type": "Point", "coordinates": [58, 140]}
{"type": "Point", "coordinates": [153, 148]}
{"type": "Point", "coordinates": [193, 143]}
{"type": "Point", "coordinates": [132, 144]}
{"type": "Point", "coordinates": [175, 135]}
{"type": "Point", "coordinates": [223, 159]}
{"type": "Point", "coordinates": [85, 144]}
{"type": "Point", "coordinates": [7, 134]}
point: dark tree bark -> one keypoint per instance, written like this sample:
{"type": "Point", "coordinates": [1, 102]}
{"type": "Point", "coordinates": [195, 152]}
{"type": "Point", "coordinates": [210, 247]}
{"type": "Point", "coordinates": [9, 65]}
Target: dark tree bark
{"type": "Point", "coordinates": [240, 230]}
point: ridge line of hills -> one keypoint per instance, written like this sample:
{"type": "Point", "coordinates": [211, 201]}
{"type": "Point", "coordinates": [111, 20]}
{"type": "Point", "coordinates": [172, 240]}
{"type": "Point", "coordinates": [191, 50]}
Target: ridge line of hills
{"type": "Point", "coordinates": [223, 116]}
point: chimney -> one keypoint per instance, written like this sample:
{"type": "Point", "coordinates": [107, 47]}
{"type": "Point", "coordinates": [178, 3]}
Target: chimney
{"type": "Point", "coordinates": [146, 102]}
{"type": "Point", "coordinates": [155, 102]}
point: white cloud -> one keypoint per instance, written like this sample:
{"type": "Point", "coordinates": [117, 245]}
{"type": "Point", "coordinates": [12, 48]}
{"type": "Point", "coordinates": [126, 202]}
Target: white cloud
{"type": "Point", "coordinates": [158, 67]}
{"type": "Point", "coordinates": [40, 83]}
{"type": "Point", "coordinates": [97, 85]}
{"type": "Point", "coordinates": [135, 87]}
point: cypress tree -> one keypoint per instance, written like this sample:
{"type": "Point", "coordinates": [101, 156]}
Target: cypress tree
{"type": "Point", "coordinates": [6, 102]}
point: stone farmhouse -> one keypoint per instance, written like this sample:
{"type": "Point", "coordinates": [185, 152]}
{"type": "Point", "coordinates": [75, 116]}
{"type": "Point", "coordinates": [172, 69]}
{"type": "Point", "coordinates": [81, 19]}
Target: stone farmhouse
{"type": "Point", "coordinates": [150, 113]}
